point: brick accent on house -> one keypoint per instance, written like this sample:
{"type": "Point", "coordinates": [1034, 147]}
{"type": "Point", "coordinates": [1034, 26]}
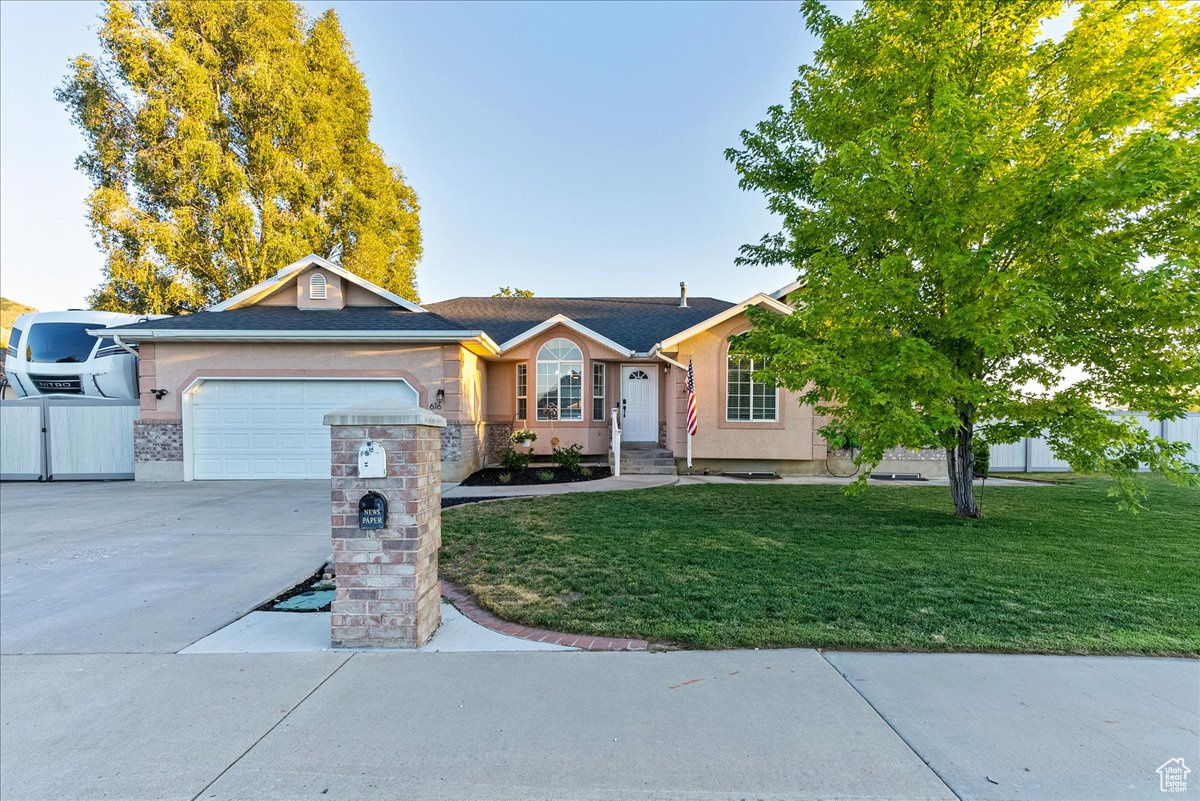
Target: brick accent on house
{"type": "Point", "coordinates": [923, 455]}
{"type": "Point", "coordinates": [497, 435]}
{"type": "Point", "coordinates": [157, 441]}
{"type": "Point", "coordinates": [464, 449]}
{"type": "Point", "coordinates": [388, 593]}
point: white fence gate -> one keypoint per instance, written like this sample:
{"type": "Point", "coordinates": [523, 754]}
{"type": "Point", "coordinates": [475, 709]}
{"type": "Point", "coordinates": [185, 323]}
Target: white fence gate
{"type": "Point", "coordinates": [1033, 455]}
{"type": "Point", "coordinates": [66, 439]}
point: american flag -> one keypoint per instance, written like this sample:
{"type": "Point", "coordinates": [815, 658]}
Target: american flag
{"type": "Point", "coordinates": [693, 422]}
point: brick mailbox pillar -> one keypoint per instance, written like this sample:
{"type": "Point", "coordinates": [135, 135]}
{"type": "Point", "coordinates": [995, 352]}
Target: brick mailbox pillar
{"type": "Point", "coordinates": [386, 559]}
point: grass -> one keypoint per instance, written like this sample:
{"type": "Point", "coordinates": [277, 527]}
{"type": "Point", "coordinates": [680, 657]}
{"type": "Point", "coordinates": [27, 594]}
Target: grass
{"type": "Point", "coordinates": [1051, 569]}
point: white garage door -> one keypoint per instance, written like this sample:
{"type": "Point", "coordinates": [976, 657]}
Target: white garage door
{"type": "Point", "coordinates": [272, 428]}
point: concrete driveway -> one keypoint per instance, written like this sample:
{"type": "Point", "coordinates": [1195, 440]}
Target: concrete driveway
{"type": "Point", "coordinates": [125, 567]}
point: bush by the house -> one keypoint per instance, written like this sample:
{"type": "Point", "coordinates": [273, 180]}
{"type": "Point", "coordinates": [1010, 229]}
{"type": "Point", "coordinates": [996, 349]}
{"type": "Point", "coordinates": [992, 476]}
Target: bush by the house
{"type": "Point", "coordinates": [515, 460]}
{"type": "Point", "coordinates": [568, 458]}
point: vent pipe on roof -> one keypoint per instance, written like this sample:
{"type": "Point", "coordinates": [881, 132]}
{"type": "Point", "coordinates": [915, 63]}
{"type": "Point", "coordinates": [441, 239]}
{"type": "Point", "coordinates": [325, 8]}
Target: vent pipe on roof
{"type": "Point", "coordinates": [683, 294]}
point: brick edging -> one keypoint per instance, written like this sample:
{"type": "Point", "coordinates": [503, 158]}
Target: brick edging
{"type": "Point", "coordinates": [466, 604]}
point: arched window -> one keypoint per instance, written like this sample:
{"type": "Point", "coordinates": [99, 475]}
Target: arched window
{"type": "Point", "coordinates": [560, 381]}
{"type": "Point", "coordinates": [316, 287]}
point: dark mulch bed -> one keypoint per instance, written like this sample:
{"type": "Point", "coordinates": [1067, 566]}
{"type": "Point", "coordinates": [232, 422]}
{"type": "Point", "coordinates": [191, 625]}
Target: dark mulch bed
{"type": "Point", "coordinates": [490, 476]}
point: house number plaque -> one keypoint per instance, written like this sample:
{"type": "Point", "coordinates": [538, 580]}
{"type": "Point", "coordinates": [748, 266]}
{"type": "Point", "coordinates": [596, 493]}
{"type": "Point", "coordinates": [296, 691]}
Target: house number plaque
{"type": "Point", "coordinates": [372, 511]}
{"type": "Point", "coordinates": [372, 460]}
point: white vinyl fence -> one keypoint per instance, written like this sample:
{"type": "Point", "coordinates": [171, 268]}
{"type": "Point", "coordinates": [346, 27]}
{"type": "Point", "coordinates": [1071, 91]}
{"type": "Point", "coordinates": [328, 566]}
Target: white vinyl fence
{"type": "Point", "coordinates": [1033, 455]}
{"type": "Point", "coordinates": [66, 439]}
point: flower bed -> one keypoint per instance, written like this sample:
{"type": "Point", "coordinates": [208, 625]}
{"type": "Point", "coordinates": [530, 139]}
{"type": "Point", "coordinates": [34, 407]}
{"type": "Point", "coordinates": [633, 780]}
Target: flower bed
{"type": "Point", "coordinates": [493, 476]}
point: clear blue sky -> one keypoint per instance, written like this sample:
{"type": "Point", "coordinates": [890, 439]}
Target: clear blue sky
{"type": "Point", "coordinates": [567, 148]}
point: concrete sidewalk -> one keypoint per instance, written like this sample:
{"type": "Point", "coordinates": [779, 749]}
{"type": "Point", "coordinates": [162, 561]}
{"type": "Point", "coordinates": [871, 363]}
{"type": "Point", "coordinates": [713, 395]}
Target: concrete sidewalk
{"type": "Point", "coordinates": [689, 725]}
{"type": "Point", "coordinates": [787, 724]}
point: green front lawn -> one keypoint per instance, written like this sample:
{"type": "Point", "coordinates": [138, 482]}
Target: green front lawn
{"type": "Point", "coordinates": [1052, 568]}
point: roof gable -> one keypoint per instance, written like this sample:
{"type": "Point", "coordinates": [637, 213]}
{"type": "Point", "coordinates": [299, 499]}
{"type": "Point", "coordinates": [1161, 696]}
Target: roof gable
{"type": "Point", "coordinates": [636, 325]}
{"type": "Point", "coordinates": [286, 277]}
{"type": "Point", "coordinates": [761, 299]}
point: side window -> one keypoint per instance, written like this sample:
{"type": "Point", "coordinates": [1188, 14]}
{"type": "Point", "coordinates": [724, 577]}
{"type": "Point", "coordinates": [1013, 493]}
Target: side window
{"type": "Point", "coordinates": [748, 400]}
{"type": "Point", "coordinates": [522, 392]}
{"type": "Point", "coordinates": [108, 347]}
{"type": "Point", "coordinates": [597, 391]}
{"type": "Point", "coordinates": [14, 342]}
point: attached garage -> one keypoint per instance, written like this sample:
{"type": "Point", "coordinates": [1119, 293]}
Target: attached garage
{"type": "Point", "coordinates": [272, 428]}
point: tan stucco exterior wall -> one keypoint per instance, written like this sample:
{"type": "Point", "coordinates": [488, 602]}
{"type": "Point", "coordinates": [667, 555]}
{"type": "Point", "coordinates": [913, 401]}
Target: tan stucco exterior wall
{"type": "Point", "coordinates": [790, 437]}
{"type": "Point", "coordinates": [338, 293]}
{"type": "Point", "coordinates": [175, 365]}
{"type": "Point", "coordinates": [501, 404]}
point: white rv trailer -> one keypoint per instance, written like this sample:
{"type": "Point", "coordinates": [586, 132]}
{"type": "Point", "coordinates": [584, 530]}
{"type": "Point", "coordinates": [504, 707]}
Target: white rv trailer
{"type": "Point", "coordinates": [52, 353]}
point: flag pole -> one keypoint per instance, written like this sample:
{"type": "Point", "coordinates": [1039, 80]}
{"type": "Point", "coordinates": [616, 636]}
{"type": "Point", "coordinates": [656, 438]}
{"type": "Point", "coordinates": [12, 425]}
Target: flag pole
{"type": "Point", "coordinates": [692, 413]}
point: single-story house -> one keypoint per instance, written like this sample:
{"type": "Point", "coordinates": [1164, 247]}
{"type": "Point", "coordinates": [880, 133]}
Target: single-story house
{"type": "Point", "coordinates": [239, 391]}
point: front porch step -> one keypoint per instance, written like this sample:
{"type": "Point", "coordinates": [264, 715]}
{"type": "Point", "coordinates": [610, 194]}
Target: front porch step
{"type": "Point", "coordinates": [645, 460]}
{"type": "Point", "coordinates": [648, 470]}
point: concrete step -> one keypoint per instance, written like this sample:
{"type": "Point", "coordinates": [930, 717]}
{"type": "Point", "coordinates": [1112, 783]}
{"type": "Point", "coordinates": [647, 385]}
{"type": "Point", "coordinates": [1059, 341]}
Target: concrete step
{"type": "Point", "coordinates": [646, 453]}
{"type": "Point", "coordinates": [648, 470]}
{"type": "Point", "coordinates": [646, 461]}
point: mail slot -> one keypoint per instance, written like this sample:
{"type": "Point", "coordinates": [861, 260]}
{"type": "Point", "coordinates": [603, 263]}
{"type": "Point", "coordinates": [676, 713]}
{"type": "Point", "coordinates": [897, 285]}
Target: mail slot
{"type": "Point", "coordinates": [372, 511]}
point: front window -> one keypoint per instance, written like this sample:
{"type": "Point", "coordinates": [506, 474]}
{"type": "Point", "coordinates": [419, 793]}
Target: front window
{"type": "Point", "coordinates": [560, 381]}
{"type": "Point", "coordinates": [60, 343]}
{"type": "Point", "coordinates": [597, 391]}
{"type": "Point", "coordinates": [747, 399]}
{"type": "Point", "coordinates": [522, 392]}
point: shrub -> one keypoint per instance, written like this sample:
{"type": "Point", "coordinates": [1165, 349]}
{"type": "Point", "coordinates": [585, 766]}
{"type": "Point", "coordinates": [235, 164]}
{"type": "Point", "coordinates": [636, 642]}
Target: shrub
{"type": "Point", "coordinates": [545, 475]}
{"type": "Point", "coordinates": [838, 439]}
{"type": "Point", "coordinates": [515, 460]}
{"type": "Point", "coordinates": [983, 459]}
{"type": "Point", "coordinates": [504, 478]}
{"type": "Point", "coordinates": [586, 472]}
{"type": "Point", "coordinates": [568, 458]}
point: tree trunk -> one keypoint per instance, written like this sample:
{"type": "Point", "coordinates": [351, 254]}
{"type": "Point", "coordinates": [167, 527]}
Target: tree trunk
{"type": "Point", "coordinates": [960, 462]}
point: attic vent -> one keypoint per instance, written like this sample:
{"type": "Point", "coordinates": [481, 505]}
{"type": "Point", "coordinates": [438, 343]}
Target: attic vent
{"type": "Point", "coordinates": [316, 287]}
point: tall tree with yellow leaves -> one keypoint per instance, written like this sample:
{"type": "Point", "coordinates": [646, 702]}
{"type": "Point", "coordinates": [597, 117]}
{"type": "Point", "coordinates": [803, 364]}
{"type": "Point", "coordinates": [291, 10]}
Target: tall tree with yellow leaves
{"type": "Point", "coordinates": [225, 140]}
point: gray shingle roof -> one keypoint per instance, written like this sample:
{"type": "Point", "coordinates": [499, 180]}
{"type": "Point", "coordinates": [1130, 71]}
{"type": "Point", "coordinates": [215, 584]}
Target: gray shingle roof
{"type": "Point", "coordinates": [636, 323]}
{"type": "Point", "coordinates": [289, 318]}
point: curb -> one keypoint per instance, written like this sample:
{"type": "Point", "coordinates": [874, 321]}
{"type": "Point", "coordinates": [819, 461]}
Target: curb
{"type": "Point", "coordinates": [466, 604]}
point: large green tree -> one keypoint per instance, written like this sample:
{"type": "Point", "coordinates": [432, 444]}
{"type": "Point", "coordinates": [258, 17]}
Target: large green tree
{"type": "Point", "coordinates": [997, 228]}
{"type": "Point", "coordinates": [224, 141]}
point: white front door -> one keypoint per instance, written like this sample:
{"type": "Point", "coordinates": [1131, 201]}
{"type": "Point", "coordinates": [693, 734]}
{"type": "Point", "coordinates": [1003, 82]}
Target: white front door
{"type": "Point", "coordinates": [639, 403]}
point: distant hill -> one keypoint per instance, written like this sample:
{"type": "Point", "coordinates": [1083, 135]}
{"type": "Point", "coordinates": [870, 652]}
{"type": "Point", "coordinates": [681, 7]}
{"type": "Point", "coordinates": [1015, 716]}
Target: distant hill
{"type": "Point", "coordinates": [10, 310]}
